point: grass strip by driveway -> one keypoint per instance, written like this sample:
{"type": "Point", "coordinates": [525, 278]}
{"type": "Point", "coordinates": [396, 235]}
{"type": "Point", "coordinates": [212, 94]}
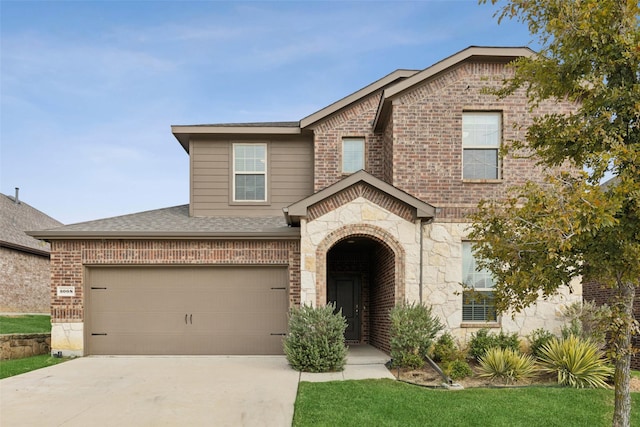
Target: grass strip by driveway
{"type": "Point", "coordinates": [25, 324]}
{"type": "Point", "coordinates": [393, 403]}
{"type": "Point", "coordinates": [9, 368]}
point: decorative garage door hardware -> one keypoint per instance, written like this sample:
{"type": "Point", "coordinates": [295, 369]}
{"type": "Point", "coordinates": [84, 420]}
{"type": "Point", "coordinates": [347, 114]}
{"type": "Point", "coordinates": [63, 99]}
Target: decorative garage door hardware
{"type": "Point", "coordinates": [190, 319]}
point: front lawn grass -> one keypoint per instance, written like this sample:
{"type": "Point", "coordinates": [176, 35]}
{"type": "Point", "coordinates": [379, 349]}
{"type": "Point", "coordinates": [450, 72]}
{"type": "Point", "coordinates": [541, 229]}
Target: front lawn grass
{"type": "Point", "coordinates": [9, 368]}
{"type": "Point", "coordinates": [25, 324]}
{"type": "Point", "coordinates": [393, 403]}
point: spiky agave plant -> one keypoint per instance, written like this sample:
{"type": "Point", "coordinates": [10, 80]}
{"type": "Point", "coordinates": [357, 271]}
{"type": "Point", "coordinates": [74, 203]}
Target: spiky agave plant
{"type": "Point", "coordinates": [506, 364]}
{"type": "Point", "coordinates": [579, 363]}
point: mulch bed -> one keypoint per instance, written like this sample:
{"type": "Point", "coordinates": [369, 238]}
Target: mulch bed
{"type": "Point", "coordinates": [428, 377]}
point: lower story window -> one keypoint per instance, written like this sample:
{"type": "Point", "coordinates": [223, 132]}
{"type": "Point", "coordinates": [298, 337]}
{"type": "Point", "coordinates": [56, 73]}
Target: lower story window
{"type": "Point", "coordinates": [478, 302]}
{"type": "Point", "coordinates": [478, 306]}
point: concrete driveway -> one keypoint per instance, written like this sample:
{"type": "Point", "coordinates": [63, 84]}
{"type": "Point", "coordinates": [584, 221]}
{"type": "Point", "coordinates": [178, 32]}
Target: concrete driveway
{"type": "Point", "coordinates": [153, 391]}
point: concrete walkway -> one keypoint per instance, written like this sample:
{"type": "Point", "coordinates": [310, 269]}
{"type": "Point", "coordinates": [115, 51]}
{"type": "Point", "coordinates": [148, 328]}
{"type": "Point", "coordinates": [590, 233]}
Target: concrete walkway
{"type": "Point", "coordinates": [168, 391]}
{"type": "Point", "coordinates": [363, 362]}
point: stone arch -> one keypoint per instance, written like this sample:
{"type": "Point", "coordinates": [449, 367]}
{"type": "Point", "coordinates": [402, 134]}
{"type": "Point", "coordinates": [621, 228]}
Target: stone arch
{"type": "Point", "coordinates": [373, 232]}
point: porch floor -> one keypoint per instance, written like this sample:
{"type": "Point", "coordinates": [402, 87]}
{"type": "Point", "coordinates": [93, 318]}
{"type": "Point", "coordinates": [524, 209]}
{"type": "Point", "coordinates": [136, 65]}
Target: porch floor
{"type": "Point", "coordinates": [365, 354]}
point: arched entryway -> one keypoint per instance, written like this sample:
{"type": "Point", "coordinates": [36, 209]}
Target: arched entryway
{"type": "Point", "coordinates": [362, 276]}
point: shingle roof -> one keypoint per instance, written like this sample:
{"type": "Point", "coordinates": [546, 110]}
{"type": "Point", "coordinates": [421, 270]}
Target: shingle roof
{"type": "Point", "coordinates": [16, 219]}
{"type": "Point", "coordinates": [173, 222]}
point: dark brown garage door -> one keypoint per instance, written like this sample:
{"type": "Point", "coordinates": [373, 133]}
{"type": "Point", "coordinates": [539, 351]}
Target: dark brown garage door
{"type": "Point", "coordinates": [186, 310]}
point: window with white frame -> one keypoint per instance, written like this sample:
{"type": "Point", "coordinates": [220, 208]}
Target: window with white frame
{"type": "Point", "coordinates": [352, 154]}
{"type": "Point", "coordinates": [481, 136]}
{"type": "Point", "coordinates": [249, 172]}
{"type": "Point", "coordinates": [477, 298]}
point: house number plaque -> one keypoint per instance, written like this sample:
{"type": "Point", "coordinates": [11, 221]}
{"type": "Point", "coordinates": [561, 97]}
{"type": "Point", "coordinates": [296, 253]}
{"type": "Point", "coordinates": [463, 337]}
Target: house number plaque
{"type": "Point", "coordinates": [66, 291]}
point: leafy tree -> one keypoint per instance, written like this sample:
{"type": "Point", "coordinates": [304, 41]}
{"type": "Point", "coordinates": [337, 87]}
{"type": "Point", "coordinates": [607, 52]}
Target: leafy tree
{"type": "Point", "coordinates": [546, 234]}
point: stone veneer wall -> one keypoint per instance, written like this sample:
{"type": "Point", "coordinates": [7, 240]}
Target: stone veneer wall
{"type": "Point", "coordinates": [17, 346]}
{"type": "Point", "coordinates": [442, 275]}
{"type": "Point", "coordinates": [69, 259]}
{"type": "Point", "coordinates": [359, 217]}
{"type": "Point", "coordinates": [24, 282]}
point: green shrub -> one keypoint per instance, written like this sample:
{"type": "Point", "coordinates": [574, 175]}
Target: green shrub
{"type": "Point", "coordinates": [445, 349]}
{"type": "Point", "coordinates": [482, 341]}
{"type": "Point", "coordinates": [579, 363]}
{"type": "Point", "coordinates": [458, 369]}
{"type": "Point", "coordinates": [413, 328]}
{"type": "Point", "coordinates": [315, 342]}
{"type": "Point", "coordinates": [587, 321]}
{"type": "Point", "coordinates": [506, 364]}
{"type": "Point", "coordinates": [537, 339]}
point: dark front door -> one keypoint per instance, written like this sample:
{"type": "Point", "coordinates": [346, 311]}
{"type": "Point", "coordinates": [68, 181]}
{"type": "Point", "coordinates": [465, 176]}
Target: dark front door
{"type": "Point", "coordinates": [344, 292]}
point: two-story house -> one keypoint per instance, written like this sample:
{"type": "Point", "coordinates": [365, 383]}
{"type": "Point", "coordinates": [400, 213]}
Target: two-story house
{"type": "Point", "coordinates": [363, 203]}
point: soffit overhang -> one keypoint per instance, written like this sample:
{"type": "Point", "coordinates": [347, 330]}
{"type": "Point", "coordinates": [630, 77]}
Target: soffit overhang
{"type": "Point", "coordinates": [184, 133]}
{"type": "Point", "coordinates": [473, 53]}
{"type": "Point", "coordinates": [300, 209]}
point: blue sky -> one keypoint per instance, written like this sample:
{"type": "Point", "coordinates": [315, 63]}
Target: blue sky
{"type": "Point", "coordinates": [89, 89]}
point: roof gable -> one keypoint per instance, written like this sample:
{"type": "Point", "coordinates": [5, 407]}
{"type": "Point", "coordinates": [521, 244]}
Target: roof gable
{"type": "Point", "coordinates": [393, 85]}
{"type": "Point", "coordinates": [389, 79]}
{"type": "Point", "coordinates": [494, 54]}
{"type": "Point", "coordinates": [308, 207]}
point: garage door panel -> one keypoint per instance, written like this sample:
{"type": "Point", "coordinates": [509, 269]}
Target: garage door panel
{"type": "Point", "coordinates": [130, 343]}
{"type": "Point", "coordinates": [187, 310]}
{"type": "Point", "coordinates": [150, 322]}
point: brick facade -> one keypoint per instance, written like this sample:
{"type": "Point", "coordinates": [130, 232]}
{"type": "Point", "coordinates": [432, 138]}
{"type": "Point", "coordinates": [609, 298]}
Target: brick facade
{"type": "Point", "coordinates": [382, 298]}
{"type": "Point", "coordinates": [420, 149]}
{"type": "Point", "coordinates": [427, 137]}
{"type": "Point", "coordinates": [355, 121]}
{"type": "Point", "coordinates": [69, 259]}
{"type": "Point", "coordinates": [24, 282]}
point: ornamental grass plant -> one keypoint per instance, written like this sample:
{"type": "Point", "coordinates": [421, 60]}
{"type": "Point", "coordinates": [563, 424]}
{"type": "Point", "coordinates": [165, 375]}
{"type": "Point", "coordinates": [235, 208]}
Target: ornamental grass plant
{"type": "Point", "coordinates": [507, 364]}
{"type": "Point", "coordinates": [578, 362]}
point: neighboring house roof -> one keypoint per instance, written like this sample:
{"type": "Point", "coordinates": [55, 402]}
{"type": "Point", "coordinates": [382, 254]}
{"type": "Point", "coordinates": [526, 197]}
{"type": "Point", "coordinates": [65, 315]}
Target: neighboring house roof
{"type": "Point", "coordinates": [16, 219]}
{"type": "Point", "coordinates": [173, 223]}
{"type": "Point", "coordinates": [299, 209]}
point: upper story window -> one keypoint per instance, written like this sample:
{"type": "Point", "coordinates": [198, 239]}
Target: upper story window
{"type": "Point", "coordinates": [249, 172]}
{"type": "Point", "coordinates": [352, 154]}
{"type": "Point", "coordinates": [481, 138]}
{"type": "Point", "coordinates": [477, 299]}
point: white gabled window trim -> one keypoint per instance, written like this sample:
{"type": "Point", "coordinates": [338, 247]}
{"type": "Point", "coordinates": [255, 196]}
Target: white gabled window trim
{"type": "Point", "coordinates": [249, 172]}
{"type": "Point", "coordinates": [352, 154]}
{"type": "Point", "coordinates": [481, 139]}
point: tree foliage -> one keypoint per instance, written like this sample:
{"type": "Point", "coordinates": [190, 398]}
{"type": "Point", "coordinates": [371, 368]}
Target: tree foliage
{"type": "Point", "coordinates": [566, 226]}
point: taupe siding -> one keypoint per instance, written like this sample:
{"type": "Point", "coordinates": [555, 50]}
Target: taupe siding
{"type": "Point", "coordinates": [289, 175]}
